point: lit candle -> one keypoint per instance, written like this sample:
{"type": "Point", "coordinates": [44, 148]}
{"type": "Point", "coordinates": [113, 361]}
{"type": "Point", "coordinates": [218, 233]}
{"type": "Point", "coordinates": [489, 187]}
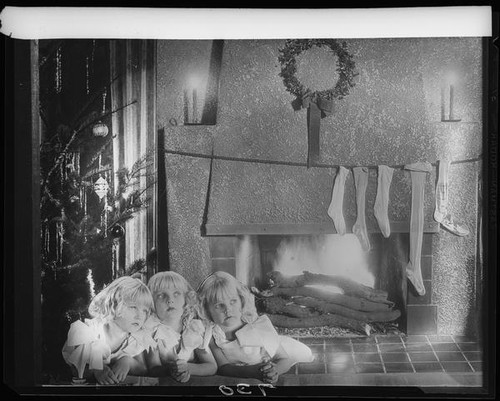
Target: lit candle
{"type": "Point", "coordinates": [195, 104]}
{"type": "Point", "coordinates": [186, 107]}
{"type": "Point", "coordinates": [451, 101]}
{"type": "Point", "coordinates": [442, 104]}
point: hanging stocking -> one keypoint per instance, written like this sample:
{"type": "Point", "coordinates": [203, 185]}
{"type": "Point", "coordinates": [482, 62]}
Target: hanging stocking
{"type": "Point", "coordinates": [359, 228]}
{"type": "Point", "coordinates": [418, 172]}
{"type": "Point", "coordinates": [441, 214]}
{"type": "Point", "coordinates": [382, 199]}
{"type": "Point", "coordinates": [336, 205]}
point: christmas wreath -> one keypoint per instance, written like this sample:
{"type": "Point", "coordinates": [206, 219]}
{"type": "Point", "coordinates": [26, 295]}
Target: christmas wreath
{"type": "Point", "coordinates": [345, 68]}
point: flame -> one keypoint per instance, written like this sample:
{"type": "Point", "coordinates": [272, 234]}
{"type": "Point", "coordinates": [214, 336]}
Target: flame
{"type": "Point", "coordinates": [332, 254]}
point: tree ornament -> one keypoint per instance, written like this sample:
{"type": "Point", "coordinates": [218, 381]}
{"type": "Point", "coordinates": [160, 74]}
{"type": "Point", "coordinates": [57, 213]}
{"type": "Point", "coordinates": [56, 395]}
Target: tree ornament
{"type": "Point", "coordinates": [100, 129]}
{"type": "Point", "coordinates": [117, 231]}
{"type": "Point", "coordinates": [101, 187]}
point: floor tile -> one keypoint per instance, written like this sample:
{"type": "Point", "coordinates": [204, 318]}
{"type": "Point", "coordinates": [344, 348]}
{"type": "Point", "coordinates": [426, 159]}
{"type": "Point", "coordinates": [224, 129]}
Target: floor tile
{"type": "Point", "coordinates": [415, 338]}
{"type": "Point", "coordinates": [477, 366]}
{"type": "Point", "coordinates": [367, 357]}
{"type": "Point", "coordinates": [469, 346]}
{"type": "Point", "coordinates": [475, 356]}
{"type": "Point", "coordinates": [464, 339]}
{"type": "Point", "coordinates": [338, 347]}
{"type": "Point", "coordinates": [445, 347]}
{"type": "Point", "coordinates": [340, 368]}
{"type": "Point", "coordinates": [420, 347]}
{"type": "Point", "coordinates": [339, 357]}
{"type": "Point", "coordinates": [427, 367]}
{"type": "Point", "coordinates": [450, 356]}
{"type": "Point", "coordinates": [367, 347]}
{"type": "Point", "coordinates": [311, 368]}
{"type": "Point", "coordinates": [388, 339]}
{"type": "Point", "coordinates": [391, 347]}
{"type": "Point", "coordinates": [363, 340]}
{"type": "Point", "coordinates": [395, 357]}
{"type": "Point", "coordinates": [422, 356]}
{"type": "Point", "coordinates": [440, 339]}
{"type": "Point", "coordinates": [369, 368]}
{"type": "Point", "coordinates": [456, 367]}
{"type": "Point", "coordinates": [398, 367]}
{"type": "Point", "coordinates": [312, 340]}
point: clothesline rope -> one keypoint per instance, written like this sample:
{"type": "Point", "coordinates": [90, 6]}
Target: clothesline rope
{"type": "Point", "coordinates": [297, 164]}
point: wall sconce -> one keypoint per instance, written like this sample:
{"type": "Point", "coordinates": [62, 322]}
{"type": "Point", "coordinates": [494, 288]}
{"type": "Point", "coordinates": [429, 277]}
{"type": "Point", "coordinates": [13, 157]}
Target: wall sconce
{"type": "Point", "coordinates": [201, 90]}
{"type": "Point", "coordinates": [448, 94]}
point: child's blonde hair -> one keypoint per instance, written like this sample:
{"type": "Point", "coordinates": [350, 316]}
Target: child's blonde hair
{"type": "Point", "coordinates": [123, 290]}
{"type": "Point", "coordinates": [163, 280]}
{"type": "Point", "coordinates": [216, 285]}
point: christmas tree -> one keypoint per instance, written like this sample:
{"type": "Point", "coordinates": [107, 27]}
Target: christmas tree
{"type": "Point", "coordinates": [85, 200]}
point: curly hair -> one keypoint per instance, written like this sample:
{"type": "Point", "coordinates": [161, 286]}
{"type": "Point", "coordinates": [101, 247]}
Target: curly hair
{"type": "Point", "coordinates": [217, 285]}
{"type": "Point", "coordinates": [164, 280]}
{"type": "Point", "coordinates": [124, 290]}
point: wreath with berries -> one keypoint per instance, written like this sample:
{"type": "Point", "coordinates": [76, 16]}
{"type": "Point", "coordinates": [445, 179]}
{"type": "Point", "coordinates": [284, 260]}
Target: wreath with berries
{"type": "Point", "coordinates": [345, 68]}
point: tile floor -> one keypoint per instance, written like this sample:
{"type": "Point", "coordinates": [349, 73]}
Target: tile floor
{"type": "Point", "coordinates": [391, 354]}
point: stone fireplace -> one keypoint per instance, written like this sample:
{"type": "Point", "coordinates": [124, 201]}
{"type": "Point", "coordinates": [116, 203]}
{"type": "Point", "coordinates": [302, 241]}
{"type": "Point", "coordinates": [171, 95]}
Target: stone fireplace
{"type": "Point", "coordinates": [251, 257]}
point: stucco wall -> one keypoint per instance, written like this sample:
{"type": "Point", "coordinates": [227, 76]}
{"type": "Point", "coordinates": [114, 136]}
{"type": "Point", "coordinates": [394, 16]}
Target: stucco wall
{"type": "Point", "coordinates": [392, 116]}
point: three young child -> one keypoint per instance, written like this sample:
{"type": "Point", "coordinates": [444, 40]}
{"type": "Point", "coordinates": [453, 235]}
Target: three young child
{"type": "Point", "coordinates": [168, 329]}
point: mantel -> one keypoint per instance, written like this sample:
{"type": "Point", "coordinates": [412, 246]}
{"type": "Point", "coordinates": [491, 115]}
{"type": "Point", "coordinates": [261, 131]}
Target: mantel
{"type": "Point", "coordinates": [301, 229]}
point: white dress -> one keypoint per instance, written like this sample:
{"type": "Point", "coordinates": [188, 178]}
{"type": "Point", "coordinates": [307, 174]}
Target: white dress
{"type": "Point", "coordinates": [258, 341]}
{"type": "Point", "coordinates": [86, 345]}
{"type": "Point", "coordinates": [173, 345]}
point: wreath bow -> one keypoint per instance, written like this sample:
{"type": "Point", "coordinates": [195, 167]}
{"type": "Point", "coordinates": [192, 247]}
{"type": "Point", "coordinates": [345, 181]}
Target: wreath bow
{"type": "Point", "coordinates": [324, 105]}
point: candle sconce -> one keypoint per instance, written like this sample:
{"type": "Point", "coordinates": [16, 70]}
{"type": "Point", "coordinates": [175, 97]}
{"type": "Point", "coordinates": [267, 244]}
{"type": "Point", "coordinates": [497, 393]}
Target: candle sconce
{"type": "Point", "coordinates": [201, 91]}
{"type": "Point", "coordinates": [448, 92]}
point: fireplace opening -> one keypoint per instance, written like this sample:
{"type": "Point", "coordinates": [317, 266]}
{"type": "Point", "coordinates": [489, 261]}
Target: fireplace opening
{"type": "Point", "coordinates": [382, 268]}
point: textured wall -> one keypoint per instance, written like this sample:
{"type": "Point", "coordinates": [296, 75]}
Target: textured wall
{"type": "Point", "coordinates": [392, 116]}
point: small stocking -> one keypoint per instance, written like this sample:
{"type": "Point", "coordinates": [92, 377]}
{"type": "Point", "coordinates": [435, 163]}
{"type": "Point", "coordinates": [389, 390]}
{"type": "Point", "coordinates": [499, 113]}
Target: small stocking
{"type": "Point", "coordinates": [336, 205]}
{"type": "Point", "coordinates": [441, 214]}
{"type": "Point", "coordinates": [359, 228]}
{"type": "Point", "coordinates": [382, 199]}
{"type": "Point", "coordinates": [413, 269]}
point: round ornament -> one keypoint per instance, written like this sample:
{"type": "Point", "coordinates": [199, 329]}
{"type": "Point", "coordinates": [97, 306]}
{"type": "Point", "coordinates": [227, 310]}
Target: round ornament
{"type": "Point", "coordinates": [345, 68]}
{"type": "Point", "coordinates": [100, 129]}
{"type": "Point", "coordinates": [117, 231]}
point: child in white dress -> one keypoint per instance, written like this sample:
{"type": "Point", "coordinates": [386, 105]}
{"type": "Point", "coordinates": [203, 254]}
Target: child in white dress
{"type": "Point", "coordinates": [111, 344]}
{"type": "Point", "coordinates": [181, 340]}
{"type": "Point", "coordinates": [243, 343]}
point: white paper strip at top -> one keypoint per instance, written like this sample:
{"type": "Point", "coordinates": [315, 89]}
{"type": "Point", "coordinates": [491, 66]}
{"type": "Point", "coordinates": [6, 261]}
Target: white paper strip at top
{"type": "Point", "coordinates": [239, 23]}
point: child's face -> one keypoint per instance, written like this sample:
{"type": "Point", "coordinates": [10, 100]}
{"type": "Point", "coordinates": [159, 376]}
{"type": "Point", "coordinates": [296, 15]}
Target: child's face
{"type": "Point", "coordinates": [169, 303]}
{"type": "Point", "coordinates": [226, 312]}
{"type": "Point", "coordinates": [131, 317]}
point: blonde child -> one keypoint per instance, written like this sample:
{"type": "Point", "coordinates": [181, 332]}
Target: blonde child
{"type": "Point", "coordinates": [182, 344]}
{"type": "Point", "coordinates": [111, 344]}
{"type": "Point", "coordinates": [243, 343]}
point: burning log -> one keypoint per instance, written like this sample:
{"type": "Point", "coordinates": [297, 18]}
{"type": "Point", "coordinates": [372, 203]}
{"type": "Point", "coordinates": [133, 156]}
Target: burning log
{"type": "Point", "coordinates": [349, 287]}
{"type": "Point", "coordinates": [326, 307]}
{"type": "Point", "coordinates": [317, 321]}
{"type": "Point", "coordinates": [350, 302]}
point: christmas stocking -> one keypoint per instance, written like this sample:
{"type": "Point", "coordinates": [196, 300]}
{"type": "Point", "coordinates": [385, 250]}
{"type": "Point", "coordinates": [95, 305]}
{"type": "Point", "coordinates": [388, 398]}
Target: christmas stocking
{"type": "Point", "coordinates": [335, 208]}
{"type": "Point", "coordinates": [441, 214]}
{"type": "Point", "coordinates": [382, 199]}
{"type": "Point", "coordinates": [359, 228]}
{"type": "Point", "coordinates": [418, 172]}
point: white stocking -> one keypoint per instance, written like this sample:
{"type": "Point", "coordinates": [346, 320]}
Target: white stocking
{"type": "Point", "coordinates": [359, 228]}
{"type": "Point", "coordinates": [335, 210]}
{"type": "Point", "coordinates": [382, 199]}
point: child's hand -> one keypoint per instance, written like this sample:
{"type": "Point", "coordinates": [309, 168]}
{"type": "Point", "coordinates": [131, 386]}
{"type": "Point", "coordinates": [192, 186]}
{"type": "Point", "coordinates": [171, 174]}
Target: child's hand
{"type": "Point", "coordinates": [121, 368]}
{"type": "Point", "coordinates": [179, 370]}
{"type": "Point", "coordinates": [105, 376]}
{"type": "Point", "coordinates": [269, 372]}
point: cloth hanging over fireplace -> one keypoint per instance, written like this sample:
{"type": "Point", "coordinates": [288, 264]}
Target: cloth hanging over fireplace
{"type": "Point", "coordinates": [260, 198]}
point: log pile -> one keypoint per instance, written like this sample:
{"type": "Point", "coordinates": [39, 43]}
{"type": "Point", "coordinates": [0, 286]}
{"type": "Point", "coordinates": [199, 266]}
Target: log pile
{"type": "Point", "coordinates": [292, 303]}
